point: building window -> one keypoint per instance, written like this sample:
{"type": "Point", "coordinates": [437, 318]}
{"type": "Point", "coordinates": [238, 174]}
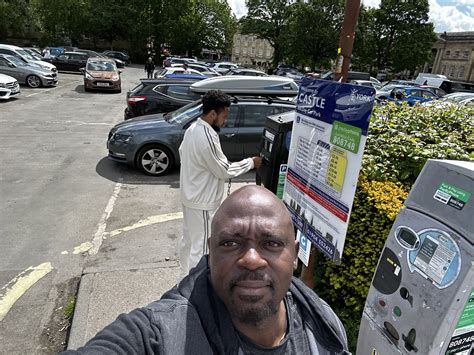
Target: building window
{"type": "Point", "coordinates": [461, 72]}
{"type": "Point", "coordinates": [456, 54]}
{"type": "Point", "coordinates": [448, 53]}
{"type": "Point", "coordinates": [465, 54]}
{"type": "Point", "coordinates": [452, 71]}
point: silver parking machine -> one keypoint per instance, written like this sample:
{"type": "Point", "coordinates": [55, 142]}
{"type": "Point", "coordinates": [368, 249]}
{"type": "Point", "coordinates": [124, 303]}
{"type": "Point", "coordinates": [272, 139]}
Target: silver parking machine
{"type": "Point", "coordinates": [421, 300]}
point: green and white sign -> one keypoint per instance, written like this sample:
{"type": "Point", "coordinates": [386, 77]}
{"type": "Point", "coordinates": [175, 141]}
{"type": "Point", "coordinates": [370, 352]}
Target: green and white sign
{"type": "Point", "coordinates": [452, 195]}
{"type": "Point", "coordinates": [463, 336]}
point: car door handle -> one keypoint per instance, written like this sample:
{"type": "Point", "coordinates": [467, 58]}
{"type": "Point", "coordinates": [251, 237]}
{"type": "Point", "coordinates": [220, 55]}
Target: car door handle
{"type": "Point", "coordinates": [229, 135]}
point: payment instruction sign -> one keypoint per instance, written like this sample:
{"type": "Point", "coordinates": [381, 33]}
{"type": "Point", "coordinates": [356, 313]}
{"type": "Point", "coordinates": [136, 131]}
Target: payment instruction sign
{"type": "Point", "coordinates": [327, 142]}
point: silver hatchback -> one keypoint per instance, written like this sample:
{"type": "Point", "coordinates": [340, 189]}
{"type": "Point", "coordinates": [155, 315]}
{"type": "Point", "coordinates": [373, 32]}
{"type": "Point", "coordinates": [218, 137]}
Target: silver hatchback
{"type": "Point", "coordinates": [30, 74]}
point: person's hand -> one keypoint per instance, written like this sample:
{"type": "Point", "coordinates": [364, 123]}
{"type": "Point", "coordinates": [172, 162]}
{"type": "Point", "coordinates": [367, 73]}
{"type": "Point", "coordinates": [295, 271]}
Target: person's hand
{"type": "Point", "coordinates": [257, 161]}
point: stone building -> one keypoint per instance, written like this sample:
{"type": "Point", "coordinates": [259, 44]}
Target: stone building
{"type": "Point", "coordinates": [453, 55]}
{"type": "Point", "coordinates": [249, 50]}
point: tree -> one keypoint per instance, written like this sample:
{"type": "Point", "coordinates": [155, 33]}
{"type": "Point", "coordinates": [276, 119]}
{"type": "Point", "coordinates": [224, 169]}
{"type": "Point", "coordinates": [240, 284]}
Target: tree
{"type": "Point", "coordinates": [269, 19]}
{"type": "Point", "coordinates": [313, 32]}
{"type": "Point", "coordinates": [203, 24]}
{"type": "Point", "coordinates": [17, 18]}
{"type": "Point", "coordinates": [398, 36]}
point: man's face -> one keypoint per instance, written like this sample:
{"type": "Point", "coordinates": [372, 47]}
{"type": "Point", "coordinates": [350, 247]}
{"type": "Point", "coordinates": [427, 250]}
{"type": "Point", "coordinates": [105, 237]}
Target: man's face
{"type": "Point", "coordinates": [252, 251]}
{"type": "Point", "coordinates": [221, 116]}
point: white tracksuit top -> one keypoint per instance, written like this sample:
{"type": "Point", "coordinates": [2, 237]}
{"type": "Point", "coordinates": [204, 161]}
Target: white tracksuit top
{"type": "Point", "coordinates": [204, 167]}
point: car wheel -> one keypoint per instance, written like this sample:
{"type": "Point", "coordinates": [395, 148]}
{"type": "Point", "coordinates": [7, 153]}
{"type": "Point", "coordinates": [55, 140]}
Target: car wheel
{"type": "Point", "coordinates": [33, 81]}
{"type": "Point", "coordinates": [155, 160]}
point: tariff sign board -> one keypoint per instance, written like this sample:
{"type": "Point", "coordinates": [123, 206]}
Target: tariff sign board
{"type": "Point", "coordinates": [327, 142]}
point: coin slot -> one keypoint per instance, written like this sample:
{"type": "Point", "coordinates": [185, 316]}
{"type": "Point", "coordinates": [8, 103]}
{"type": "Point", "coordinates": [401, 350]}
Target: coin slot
{"type": "Point", "coordinates": [391, 331]}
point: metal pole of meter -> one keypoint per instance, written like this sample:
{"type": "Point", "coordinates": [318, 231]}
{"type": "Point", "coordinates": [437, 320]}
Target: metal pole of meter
{"type": "Point", "coordinates": [346, 42]}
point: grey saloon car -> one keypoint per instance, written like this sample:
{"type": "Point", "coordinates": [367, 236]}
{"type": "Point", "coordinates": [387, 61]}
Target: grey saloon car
{"type": "Point", "coordinates": [150, 143]}
{"type": "Point", "coordinates": [30, 74]}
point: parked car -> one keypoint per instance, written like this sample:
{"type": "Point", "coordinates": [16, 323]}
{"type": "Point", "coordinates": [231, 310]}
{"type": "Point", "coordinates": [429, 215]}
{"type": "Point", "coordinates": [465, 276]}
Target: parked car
{"type": "Point", "coordinates": [246, 72]}
{"type": "Point", "coordinates": [161, 73]}
{"type": "Point", "coordinates": [35, 50]}
{"type": "Point", "coordinates": [124, 57]}
{"type": "Point", "coordinates": [435, 90]}
{"type": "Point", "coordinates": [70, 61]}
{"type": "Point", "coordinates": [289, 72]}
{"type": "Point", "coordinates": [223, 67]}
{"type": "Point", "coordinates": [102, 74]}
{"type": "Point", "coordinates": [365, 83]}
{"type": "Point", "coordinates": [159, 95]}
{"type": "Point", "coordinates": [90, 53]}
{"type": "Point", "coordinates": [26, 57]}
{"type": "Point", "coordinates": [454, 99]}
{"type": "Point", "coordinates": [29, 74]}
{"type": "Point", "coordinates": [9, 87]}
{"type": "Point", "coordinates": [412, 95]}
{"type": "Point", "coordinates": [150, 143]}
{"type": "Point", "coordinates": [49, 52]}
{"type": "Point", "coordinates": [203, 69]}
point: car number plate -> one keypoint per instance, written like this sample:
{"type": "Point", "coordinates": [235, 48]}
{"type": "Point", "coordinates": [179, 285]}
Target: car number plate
{"type": "Point", "coordinates": [102, 84]}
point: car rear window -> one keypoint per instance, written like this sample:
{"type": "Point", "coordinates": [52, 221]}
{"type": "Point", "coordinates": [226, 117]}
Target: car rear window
{"type": "Point", "coordinates": [136, 89]}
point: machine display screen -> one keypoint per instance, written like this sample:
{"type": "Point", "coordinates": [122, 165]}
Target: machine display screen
{"type": "Point", "coordinates": [269, 136]}
{"type": "Point", "coordinates": [407, 238]}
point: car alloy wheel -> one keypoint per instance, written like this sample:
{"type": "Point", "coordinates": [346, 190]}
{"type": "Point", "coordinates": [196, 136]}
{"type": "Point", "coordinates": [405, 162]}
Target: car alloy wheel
{"type": "Point", "coordinates": [154, 160]}
{"type": "Point", "coordinates": [33, 81]}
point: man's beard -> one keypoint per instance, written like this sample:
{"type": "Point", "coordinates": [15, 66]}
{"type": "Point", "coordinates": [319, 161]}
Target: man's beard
{"type": "Point", "coordinates": [216, 128]}
{"type": "Point", "coordinates": [244, 308]}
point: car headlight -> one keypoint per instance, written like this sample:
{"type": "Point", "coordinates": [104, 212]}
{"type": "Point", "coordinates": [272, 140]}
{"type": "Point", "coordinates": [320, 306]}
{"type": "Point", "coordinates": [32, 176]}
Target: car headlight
{"type": "Point", "coordinates": [45, 67]}
{"type": "Point", "coordinates": [116, 77]}
{"type": "Point", "coordinates": [3, 85]}
{"type": "Point", "coordinates": [122, 137]}
{"type": "Point", "coordinates": [88, 76]}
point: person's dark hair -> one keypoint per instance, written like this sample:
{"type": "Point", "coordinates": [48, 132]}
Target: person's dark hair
{"type": "Point", "coordinates": [215, 100]}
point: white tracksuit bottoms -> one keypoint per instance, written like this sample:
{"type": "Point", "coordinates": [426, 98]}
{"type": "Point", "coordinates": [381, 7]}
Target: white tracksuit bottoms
{"type": "Point", "coordinates": [196, 231]}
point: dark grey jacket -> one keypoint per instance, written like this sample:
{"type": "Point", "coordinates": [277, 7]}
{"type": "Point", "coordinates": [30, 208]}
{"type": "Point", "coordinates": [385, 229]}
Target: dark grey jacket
{"type": "Point", "coordinates": [190, 319]}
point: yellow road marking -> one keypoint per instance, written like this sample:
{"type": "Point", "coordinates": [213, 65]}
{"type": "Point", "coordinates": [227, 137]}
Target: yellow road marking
{"type": "Point", "coordinates": [147, 222]}
{"type": "Point", "coordinates": [84, 247]}
{"type": "Point", "coordinates": [11, 292]}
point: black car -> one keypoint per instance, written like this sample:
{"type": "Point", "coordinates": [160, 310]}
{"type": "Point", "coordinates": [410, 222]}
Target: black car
{"type": "Point", "coordinates": [70, 61]}
{"type": "Point", "coordinates": [150, 143]}
{"type": "Point", "coordinates": [119, 55]}
{"type": "Point", "coordinates": [118, 62]}
{"type": "Point", "coordinates": [159, 95]}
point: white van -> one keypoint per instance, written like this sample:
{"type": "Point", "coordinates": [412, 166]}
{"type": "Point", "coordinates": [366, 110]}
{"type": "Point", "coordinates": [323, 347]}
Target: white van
{"type": "Point", "coordinates": [430, 79]}
{"type": "Point", "coordinates": [25, 56]}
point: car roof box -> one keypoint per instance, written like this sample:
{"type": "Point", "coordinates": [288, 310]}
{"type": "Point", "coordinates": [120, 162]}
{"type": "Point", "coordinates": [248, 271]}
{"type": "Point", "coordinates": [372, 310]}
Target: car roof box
{"type": "Point", "coordinates": [245, 85]}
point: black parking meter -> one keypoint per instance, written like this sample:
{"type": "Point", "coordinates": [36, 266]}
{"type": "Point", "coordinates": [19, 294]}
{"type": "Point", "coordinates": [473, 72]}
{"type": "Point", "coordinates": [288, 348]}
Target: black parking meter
{"type": "Point", "coordinates": [274, 149]}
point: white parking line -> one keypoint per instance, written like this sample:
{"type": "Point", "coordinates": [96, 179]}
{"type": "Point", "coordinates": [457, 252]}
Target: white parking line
{"type": "Point", "coordinates": [147, 222]}
{"type": "Point", "coordinates": [99, 234]}
{"type": "Point", "coordinates": [12, 291]}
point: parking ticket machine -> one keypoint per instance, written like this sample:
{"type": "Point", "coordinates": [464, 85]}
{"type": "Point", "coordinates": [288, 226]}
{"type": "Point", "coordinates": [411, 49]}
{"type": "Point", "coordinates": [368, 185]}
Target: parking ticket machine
{"type": "Point", "coordinates": [421, 300]}
{"type": "Point", "coordinates": [274, 149]}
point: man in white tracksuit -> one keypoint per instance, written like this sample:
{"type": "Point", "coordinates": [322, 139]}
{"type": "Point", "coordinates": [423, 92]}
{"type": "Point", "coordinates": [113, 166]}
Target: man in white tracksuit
{"type": "Point", "coordinates": [204, 168]}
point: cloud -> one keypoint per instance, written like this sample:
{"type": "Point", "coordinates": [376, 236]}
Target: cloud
{"type": "Point", "coordinates": [446, 15]}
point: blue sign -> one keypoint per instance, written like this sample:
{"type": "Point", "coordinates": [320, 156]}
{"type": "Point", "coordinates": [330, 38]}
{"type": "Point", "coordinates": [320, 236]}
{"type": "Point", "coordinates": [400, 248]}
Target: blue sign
{"type": "Point", "coordinates": [330, 101]}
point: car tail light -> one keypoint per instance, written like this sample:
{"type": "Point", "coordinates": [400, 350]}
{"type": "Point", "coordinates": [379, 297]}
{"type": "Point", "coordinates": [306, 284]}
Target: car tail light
{"type": "Point", "coordinates": [132, 100]}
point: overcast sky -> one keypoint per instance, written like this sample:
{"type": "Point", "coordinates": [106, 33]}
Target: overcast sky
{"type": "Point", "coordinates": [447, 15]}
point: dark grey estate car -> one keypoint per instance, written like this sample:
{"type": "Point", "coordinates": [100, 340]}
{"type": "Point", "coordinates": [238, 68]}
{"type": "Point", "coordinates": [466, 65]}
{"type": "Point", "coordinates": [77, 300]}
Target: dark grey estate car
{"type": "Point", "coordinates": [150, 143]}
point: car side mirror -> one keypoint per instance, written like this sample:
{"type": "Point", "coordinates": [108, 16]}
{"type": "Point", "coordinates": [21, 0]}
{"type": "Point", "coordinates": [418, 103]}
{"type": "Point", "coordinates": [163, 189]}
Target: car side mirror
{"type": "Point", "coordinates": [120, 72]}
{"type": "Point", "coordinates": [82, 70]}
{"type": "Point", "coordinates": [11, 65]}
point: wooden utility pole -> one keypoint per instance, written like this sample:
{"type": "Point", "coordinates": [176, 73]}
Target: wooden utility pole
{"type": "Point", "coordinates": [344, 53]}
{"type": "Point", "coordinates": [346, 40]}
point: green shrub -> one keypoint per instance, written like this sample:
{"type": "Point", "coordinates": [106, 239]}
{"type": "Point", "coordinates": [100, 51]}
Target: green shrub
{"type": "Point", "coordinates": [376, 204]}
{"type": "Point", "coordinates": [402, 138]}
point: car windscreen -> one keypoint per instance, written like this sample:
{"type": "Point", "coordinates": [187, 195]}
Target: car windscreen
{"type": "Point", "coordinates": [18, 62]}
{"type": "Point", "coordinates": [25, 54]}
{"type": "Point", "coordinates": [101, 66]}
{"type": "Point", "coordinates": [185, 113]}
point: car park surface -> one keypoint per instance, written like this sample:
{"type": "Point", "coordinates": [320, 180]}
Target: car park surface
{"type": "Point", "coordinates": [150, 143]}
